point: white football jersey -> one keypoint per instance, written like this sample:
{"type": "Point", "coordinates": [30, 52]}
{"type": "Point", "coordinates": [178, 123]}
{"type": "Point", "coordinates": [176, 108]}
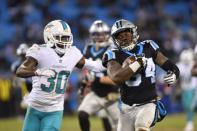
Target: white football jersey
{"type": "Point", "coordinates": [186, 79]}
{"type": "Point", "coordinates": [48, 93]}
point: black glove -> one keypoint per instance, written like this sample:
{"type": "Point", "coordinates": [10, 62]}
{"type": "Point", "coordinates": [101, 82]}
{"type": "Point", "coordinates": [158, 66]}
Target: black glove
{"type": "Point", "coordinates": [142, 60]}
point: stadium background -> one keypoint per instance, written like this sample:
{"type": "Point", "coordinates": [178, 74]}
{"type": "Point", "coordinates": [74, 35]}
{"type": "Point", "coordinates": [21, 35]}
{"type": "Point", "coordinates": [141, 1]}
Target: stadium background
{"type": "Point", "coordinates": [171, 23]}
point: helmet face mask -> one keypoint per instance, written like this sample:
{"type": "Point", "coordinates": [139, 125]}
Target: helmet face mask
{"type": "Point", "coordinates": [58, 34]}
{"type": "Point", "coordinates": [99, 33]}
{"type": "Point", "coordinates": [124, 38]}
{"type": "Point", "coordinates": [124, 34]}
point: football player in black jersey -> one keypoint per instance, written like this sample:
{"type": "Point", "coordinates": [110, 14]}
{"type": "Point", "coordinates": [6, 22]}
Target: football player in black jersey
{"type": "Point", "coordinates": [133, 67]}
{"type": "Point", "coordinates": [21, 51]}
{"type": "Point", "coordinates": [102, 98]}
{"type": "Point", "coordinates": [19, 83]}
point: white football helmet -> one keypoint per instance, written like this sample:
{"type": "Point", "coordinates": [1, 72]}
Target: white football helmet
{"type": "Point", "coordinates": [22, 49]}
{"type": "Point", "coordinates": [99, 33]}
{"type": "Point", "coordinates": [58, 33]}
{"type": "Point", "coordinates": [187, 56]}
{"type": "Point", "coordinates": [121, 26]}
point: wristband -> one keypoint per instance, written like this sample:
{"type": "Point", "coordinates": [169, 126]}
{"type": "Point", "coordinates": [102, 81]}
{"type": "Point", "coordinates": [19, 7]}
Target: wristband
{"type": "Point", "coordinates": [134, 66]}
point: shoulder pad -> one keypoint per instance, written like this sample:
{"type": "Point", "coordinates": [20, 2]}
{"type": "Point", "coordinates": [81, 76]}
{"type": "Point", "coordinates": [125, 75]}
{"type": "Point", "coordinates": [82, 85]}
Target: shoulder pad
{"type": "Point", "coordinates": [109, 54]}
{"type": "Point", "coordinates": [153, 44]}
{"type": "Point", "coordinates": [87, 47]}
{"type": "Point", "coordinates": [43, 45]}
{"type": "Point", "coordinates": [76, 50]}
{"type": "Point", "coordinates": [33, 48]}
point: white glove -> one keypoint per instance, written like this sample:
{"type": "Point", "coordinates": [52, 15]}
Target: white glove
{"type": "Point", "coordinates": [45, 72]}
{"type": "Point", "coordinates": [170, 78]}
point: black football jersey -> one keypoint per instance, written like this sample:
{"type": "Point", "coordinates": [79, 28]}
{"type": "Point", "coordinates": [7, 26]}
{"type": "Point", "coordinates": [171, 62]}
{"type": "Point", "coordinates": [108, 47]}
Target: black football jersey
{"type": "Point", "coordinates": [100, 89]}
{"type": "Point", "coordinates": [141, 87]}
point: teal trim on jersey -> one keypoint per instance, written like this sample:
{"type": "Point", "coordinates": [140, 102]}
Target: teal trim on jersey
{"type": "Point", "coordinates": [110, 55]}
{"type": "Point", "coordinates": [64, 25]}
{"type": "Point", "coordinates": [96, 53]}
{"type": "Point", "coordinates": [140, 50]}
{"type": "Point", "coordinates": [154, 45]}
{"type": "Point", "coordinates": [42, 121]}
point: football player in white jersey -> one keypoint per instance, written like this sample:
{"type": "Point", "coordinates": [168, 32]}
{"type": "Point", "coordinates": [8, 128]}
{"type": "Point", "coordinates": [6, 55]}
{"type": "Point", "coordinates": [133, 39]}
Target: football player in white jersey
{"type": "Point", "coordinates": [49, 66]}
{"type": "Point", "coordinates": [188, 85]}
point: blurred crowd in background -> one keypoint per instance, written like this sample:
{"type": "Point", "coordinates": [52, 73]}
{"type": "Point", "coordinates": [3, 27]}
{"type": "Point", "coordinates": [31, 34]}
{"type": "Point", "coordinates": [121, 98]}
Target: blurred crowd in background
{"type": "Point", "coordinates": [170, 23]}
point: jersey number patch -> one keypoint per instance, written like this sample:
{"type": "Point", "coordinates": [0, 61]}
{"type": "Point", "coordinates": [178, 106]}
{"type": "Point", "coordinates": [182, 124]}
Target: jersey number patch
{"type": "Point", "coordinates": [61, 77]}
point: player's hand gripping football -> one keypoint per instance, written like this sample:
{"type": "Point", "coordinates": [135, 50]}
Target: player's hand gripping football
{"type": "Point", "coordinates": [45, 72]}
{"type": "Point", "coordinates": [140, 59]}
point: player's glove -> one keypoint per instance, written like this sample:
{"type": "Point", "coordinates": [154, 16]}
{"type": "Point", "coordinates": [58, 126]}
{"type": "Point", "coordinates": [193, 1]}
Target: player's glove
{"type": "Point", "coordinates": [136, 63]}
{"type": "Point", "coordinates": [170, 78]}
{"type": "Point", "coordinates": [140, 58]}
{"type": "Point", "coordinates": [142, 61]}
{"type": "Point", "coordinates": [45, 72]}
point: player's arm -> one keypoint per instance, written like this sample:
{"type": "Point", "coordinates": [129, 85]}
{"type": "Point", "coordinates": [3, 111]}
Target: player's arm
{"type": "Point", "coordinates": [90, 64]}
{"type": "Point", "coordinates": [27, 68]}
{"type": "Point", "coordinates": [120, 73]}
{"type": "Point", "coordinates": [169, 67]}
{"type": "Point", "coordinates": [117, 73]}
{"type": "Point", "coordinates": [106, 80]}
{"type": "Point", "coordinates": [161, 60]}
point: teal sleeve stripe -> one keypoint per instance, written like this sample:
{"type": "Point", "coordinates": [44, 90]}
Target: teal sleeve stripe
{"type": "Point", "coordinates": [64, 25]}
{"type": "Point", "coordinates": [154, 45]}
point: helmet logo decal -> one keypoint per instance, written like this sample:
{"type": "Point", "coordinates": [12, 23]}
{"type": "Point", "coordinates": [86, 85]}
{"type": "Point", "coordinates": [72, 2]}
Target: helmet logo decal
{"type": "Point", "coordinates": [63, 24]}
{"type": "Point", "coordinates": [119, 24]}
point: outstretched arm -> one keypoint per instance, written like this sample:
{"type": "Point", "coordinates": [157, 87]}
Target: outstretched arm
{"type": "Point", "coordinates": [95, 66]}
{"type": "Point", "coordinates": [169, 67]}
{"type": "Point", "coordinates": [29, 68]}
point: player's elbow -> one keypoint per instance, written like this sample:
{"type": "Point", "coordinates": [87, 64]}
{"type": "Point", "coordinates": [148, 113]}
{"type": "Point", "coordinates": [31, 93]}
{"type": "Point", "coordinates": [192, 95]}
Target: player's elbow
{"type": "Point", "coordinates": [19, 73]}
{"type": "Point", "coordinates": [117, 79]}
